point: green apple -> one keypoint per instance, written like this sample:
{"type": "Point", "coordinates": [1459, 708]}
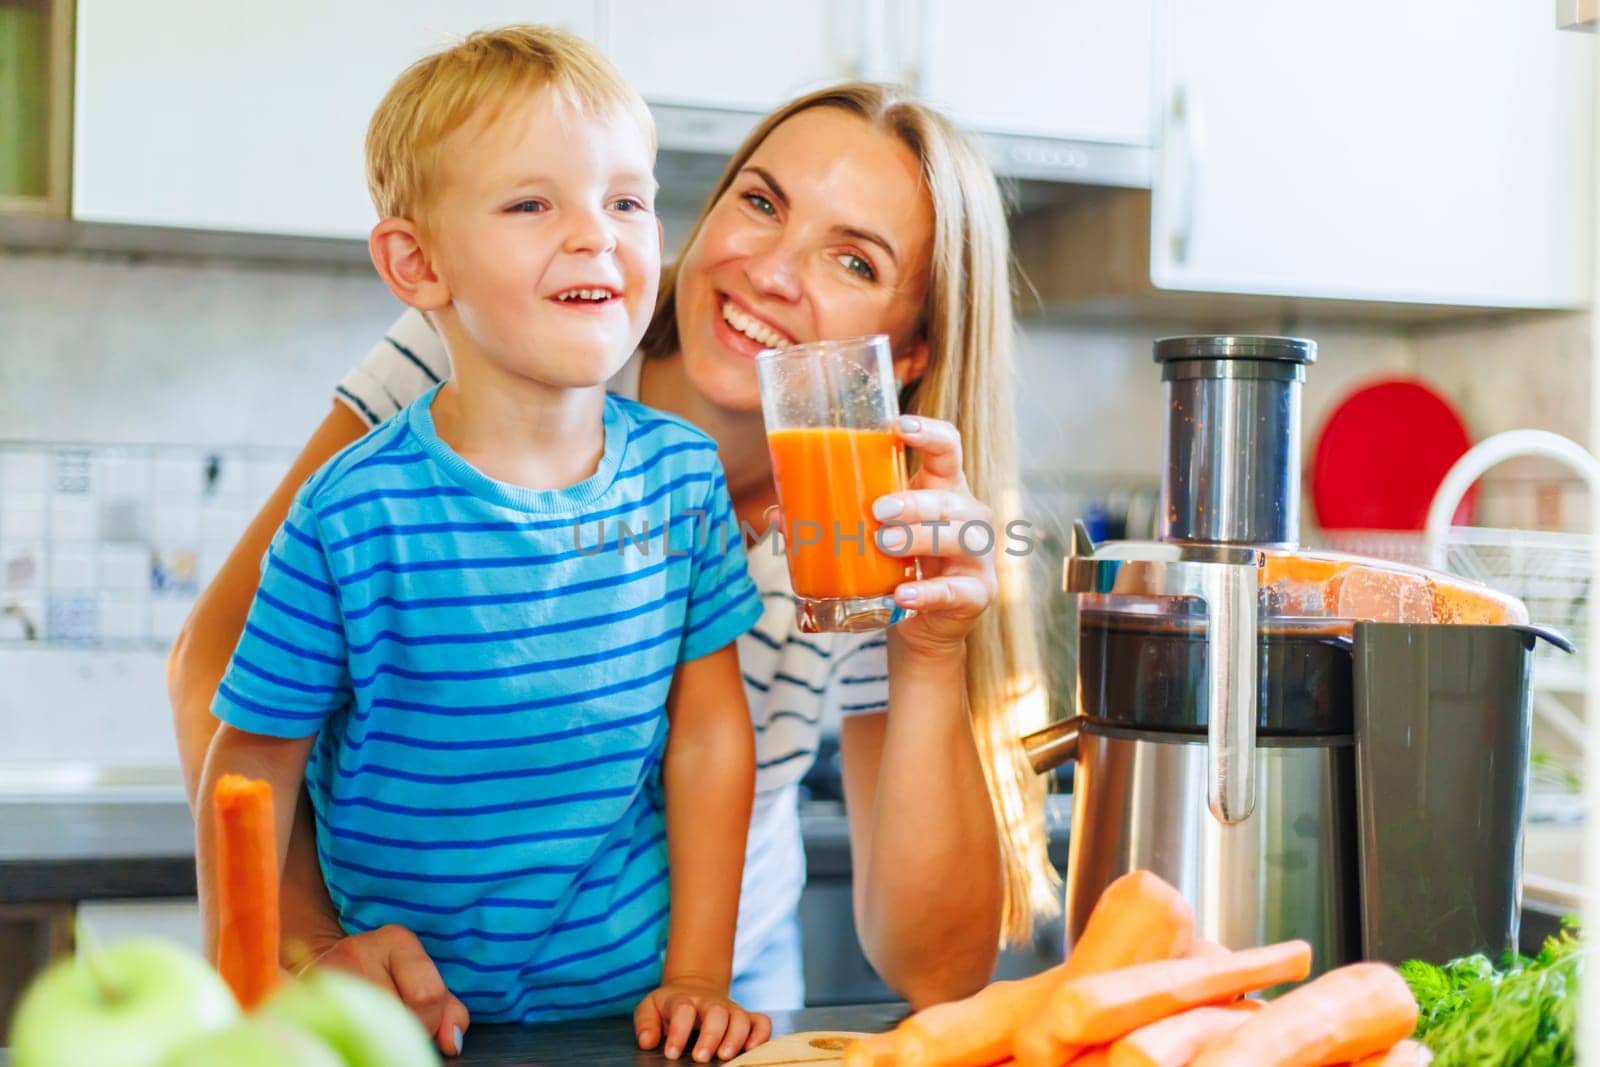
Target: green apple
{"type": "Point", "coordinates": [126, 1006]}
{"type": "Point", "coordinates": [254, 1043]}
{"type": "Point", "coordinates": [368, 1026]}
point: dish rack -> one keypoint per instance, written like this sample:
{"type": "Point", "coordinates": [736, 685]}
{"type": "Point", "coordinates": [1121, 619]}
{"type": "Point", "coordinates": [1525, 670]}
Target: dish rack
{"type": "Point", "coordinates": [1551, 572]}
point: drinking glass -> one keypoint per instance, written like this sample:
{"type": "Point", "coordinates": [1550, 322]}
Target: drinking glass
{"type": "Point", "coordinates": [830, 408]}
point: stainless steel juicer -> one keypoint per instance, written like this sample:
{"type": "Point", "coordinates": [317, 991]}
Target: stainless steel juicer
{"type": "Point", "coordinates": [1308, 745]}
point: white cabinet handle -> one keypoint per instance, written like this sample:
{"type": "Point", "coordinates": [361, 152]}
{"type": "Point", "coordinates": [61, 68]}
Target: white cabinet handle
{"type": "Point", "coordinates": [1186, 142]}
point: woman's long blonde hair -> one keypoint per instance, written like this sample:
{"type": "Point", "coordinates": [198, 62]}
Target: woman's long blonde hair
{"type": "Point", "coordinates": [969, 382]}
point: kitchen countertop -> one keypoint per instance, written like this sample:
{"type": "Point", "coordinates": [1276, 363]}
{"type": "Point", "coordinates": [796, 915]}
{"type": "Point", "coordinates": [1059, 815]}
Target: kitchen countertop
{"type": "Point", "coordinates": [95, 850]}
{"type": "Point", "coordinates": [610, 1042]}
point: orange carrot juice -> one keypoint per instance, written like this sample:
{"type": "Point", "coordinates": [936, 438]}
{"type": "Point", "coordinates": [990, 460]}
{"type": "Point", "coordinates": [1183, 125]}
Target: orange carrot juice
{"type": "Point", "coordinates": [831, 476]}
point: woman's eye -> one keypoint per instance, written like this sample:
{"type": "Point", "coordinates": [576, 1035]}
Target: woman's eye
{"type": "Point", "coordinates": [760, 203]}
{"type": "Point", "coordinates": [526, 207]}
{"type": "Point", "coordinates": [856, 265]}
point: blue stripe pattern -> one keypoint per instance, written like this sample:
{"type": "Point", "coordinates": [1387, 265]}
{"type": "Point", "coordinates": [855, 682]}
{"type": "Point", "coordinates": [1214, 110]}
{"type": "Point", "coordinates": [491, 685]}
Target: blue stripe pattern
{"type": "Point", "coordinates": [412, 357]}
{"type": "Point", "coordinates": [485, 669]}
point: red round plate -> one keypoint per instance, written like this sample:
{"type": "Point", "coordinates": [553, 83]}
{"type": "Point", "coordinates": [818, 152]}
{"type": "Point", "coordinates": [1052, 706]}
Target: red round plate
{"type": "Point", "coordinates": [1382, 454]}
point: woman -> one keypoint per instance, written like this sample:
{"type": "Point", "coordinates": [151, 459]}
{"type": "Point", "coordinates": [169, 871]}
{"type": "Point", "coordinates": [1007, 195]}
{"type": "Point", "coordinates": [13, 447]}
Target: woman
{"type": "Point", "coordinates": [847, 212]}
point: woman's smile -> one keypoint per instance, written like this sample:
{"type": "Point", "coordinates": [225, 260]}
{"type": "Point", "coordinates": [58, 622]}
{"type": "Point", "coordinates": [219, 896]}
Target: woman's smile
{"type": "Point", "coordinates": [744, 331]}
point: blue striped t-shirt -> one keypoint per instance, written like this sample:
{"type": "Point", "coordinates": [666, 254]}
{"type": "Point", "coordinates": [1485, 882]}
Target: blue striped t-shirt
{"type": "Point", "coordinates": [486, 669]}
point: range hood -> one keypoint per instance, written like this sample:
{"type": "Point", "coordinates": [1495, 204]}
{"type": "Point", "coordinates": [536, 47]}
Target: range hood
{"type": "Point", "coordinates": [696, 142]}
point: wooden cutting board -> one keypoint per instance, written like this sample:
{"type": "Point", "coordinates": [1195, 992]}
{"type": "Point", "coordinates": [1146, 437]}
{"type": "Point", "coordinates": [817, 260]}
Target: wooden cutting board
{"type": "Point", "coordinates": [816, 1048]}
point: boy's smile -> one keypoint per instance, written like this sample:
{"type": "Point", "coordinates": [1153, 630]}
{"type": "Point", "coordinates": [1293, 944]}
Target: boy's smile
{"type": "Point", "coordinates": [544, 231]}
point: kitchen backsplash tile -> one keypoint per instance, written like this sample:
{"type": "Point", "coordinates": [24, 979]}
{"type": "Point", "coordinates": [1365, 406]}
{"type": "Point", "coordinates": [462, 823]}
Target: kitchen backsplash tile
{"type": "Point", "coordinates": [108, 709]}
{"type": "Point", "coordinates": [107, 546]}
{"type": "Point", "coordinates": [107, 350]}
{"type": "Point", "coordinates": [1090, 397]}
{"type": "Point", "coordinates": [115, 548]}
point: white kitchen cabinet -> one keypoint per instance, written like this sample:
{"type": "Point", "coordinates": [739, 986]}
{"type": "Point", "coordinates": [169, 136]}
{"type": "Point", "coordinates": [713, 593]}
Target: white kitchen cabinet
{"type": "Point", "coordinates": [1071, 69]}
{"type": "Point", "coordinates": [1375, 150]}
{"type": "Point", "coordinates": [1077, 70]}
{"type": "Point", "coordinates": [1056, 90]}
{"type": "Point", "coordinates": [192, 113]}
{"type": "Point", "coordinates": [745, 56]}
{"type": "Point", "coordinates": [202, 116]}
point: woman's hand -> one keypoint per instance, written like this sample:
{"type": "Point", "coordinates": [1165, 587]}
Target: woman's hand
{"type": "Point", "coordinates": [392, 958]}
{"type": "Point", "coordinates": [952, 535]}
{"type": "Point", "coordinates": [681, 1007]}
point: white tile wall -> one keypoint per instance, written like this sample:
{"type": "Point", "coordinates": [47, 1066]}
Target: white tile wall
{"type": "Point", "coordinates": [105, 350]}
{"type": "Point", "coordinates": [108, 351]}
{"type": "Point", "coordinates": [123, 537]}
{"type": "Point", "coordinates": [106, 707]}
{"type": "Point", "coordinates": [1521, 372]}
{"type": "Point", "coordinates": [1090, 400]}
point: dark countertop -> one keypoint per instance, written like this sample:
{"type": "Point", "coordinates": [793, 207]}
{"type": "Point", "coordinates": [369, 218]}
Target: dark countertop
{"type": "Point", "coordinates": [610, 1042]}
{"type": "Point", "coordinates": [87, 850]}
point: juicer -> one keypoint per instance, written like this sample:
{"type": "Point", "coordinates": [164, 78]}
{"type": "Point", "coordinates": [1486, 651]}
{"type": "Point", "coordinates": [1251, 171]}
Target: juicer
{"type": "Point", "coordinates": [1308, 745]}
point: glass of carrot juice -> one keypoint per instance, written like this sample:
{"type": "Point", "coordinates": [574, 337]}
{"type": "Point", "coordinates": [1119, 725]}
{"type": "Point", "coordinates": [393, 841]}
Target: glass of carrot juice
{"type": "Point", "coordinates": [830, 408]}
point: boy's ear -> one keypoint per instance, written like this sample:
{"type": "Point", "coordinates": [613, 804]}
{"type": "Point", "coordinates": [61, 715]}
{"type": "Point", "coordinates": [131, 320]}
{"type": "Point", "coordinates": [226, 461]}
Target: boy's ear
{"type": "Point", "coordinates": [397, 252]}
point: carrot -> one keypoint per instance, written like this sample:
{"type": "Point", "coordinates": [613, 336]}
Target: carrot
{"type": "Point", "coordinates": [874, 1051]}
{"type": "Point", "coordinates": [1205, 950]}
{"type": "Point", "coordinates": [1104, 1007]}
{"type": "Point", "coordinates": [1407, 1053]}
{"type": "Point", "coordinates": [973, 1032]}
{"type": "Point", "coordinates": [247, 888]}
{"type": "Point", "coordinates": [1035, 1044]}
{"type": "Point", "coordinates": [1345, 1015]}
{"type": "Point", "coordinates": [1090, 1057]}
{"type": "Point", "coordinates": [1177, 1039]}
{"type": "Point", "coordinates": [1138, 918]}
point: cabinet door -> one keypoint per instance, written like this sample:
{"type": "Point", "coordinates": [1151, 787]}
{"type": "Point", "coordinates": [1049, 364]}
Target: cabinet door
{"type": "Point", "coordinates": [746, 56]}
{"type": "Point", "coordinates": [35, 106]}
{"type": "Point", "coordinates": [1375, 150]}
{"type": "Point", "coordinates": [199, 114]}
{"type": "Point", "coordinates": [1076, 69]}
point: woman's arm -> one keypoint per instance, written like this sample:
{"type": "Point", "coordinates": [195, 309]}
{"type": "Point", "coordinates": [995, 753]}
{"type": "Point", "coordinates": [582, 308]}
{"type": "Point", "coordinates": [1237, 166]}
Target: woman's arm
{"type": "Point", "coordinates": [279, 762]}
{"type": "Point", "coordinates": [205, 644]}
{"type": "Point", "coordinates": [928, 885]}
{"type": "Point", "coordinates": [923, 842]}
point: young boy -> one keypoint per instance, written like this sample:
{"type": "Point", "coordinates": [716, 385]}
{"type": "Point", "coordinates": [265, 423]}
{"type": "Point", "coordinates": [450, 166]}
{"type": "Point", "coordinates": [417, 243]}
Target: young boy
{"type": "Point", "coordinates": [510, 738]}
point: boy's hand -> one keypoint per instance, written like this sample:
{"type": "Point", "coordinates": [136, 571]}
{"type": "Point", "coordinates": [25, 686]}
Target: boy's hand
{"type": "Point", "coordinates": [392, 958]}
{"type": "Point", "coordinates": [677, 1007]}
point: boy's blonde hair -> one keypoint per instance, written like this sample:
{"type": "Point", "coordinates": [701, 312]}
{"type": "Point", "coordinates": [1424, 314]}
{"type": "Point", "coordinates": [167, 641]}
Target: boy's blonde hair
{"type": "Point", "coordinates": [437, 94]}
